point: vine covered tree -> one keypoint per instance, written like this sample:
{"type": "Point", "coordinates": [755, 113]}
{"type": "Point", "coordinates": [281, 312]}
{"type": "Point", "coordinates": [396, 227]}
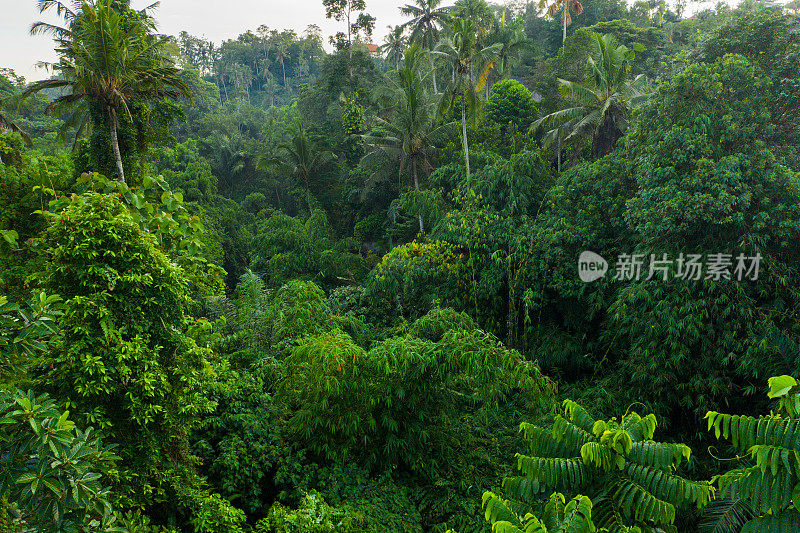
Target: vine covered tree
{"type": "Point", "coordinates": [109, 58]}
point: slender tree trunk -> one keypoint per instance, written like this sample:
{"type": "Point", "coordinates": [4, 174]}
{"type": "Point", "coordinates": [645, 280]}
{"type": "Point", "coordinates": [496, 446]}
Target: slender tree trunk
{"type": "Point", "coordinates": [283, 66]}
{"type": "Point", "coordinates": [308, 194]}
{"type": "Point", "coordinates": [559, 151]}
{"type": "Point", "coordinates": [464, 133]}
{"type": "Point", "coordinates": [433, 71]}
{"type": "Point", "coordinates": [416, 187]}
{"type": "Point", "coordinates": [113, 126]}
{"type": "Point", "coordinates": [349, 46]}
{"type": "Point", "coordinates": [566, 8]}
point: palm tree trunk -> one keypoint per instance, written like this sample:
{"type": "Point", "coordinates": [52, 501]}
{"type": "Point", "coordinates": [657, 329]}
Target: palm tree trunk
{"type": "Point", "coordinates": [433, 71]}
{"type": "Point", "coordinates": [283, 66]}
{"type": "Point", "coordinates": [464, 133]}
{"type": "Point", "coordinates": [416, 187]}
{"type": "Point", "coordinates": [113, 126]}
{"type": "Point", "coordinates": [559, 151]}
{"type": "Point", "coordinates": [566, 7]}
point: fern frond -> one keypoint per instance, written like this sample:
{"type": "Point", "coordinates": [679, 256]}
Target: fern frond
{"type": "Point", "coordinates": [541, 442]}
{"type": "Point", "coordinates": [747, 431]}
{"type": "Point", "coordinates": [523, 488]}
{"type": "Point", "coordinates": [640, 428]}
{"type": "Point", "coordinates": [636, 503]}
{"type": "Point", "coordinates": [725, 515]}
{"type": "Point", "coordinates": [556, 473]}
{"type": "Point", "coordinates": [661, 455]}
{"type": "Point", "coordinates": [670, 487]}
{"type": "Point", "coordinates": [569, 434]}
{"type": "Point", "coordinates": [578, 415]}
{"type": "Point", "coordinates": [602, 457]}
{"type": "Point", "coordinates": [498, 510]}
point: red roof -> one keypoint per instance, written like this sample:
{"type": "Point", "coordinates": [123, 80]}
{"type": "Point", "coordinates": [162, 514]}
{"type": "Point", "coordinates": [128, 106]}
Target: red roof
{"type": "Point", "coordinates": [372, 47]}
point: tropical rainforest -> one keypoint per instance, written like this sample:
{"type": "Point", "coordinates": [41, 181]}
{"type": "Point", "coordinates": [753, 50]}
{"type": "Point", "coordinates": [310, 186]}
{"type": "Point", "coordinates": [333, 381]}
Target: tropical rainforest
{"type": "Point", "coordinates": [307, 283]}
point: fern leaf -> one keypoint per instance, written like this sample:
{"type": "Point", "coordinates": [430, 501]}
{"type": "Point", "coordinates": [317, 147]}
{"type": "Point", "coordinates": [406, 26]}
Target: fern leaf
{"type": "Point", "coordinates": [725, 515]}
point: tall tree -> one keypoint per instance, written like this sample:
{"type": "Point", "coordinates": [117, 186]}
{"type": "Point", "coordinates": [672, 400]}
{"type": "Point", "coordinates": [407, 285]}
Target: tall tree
{"type": "Point", "coordinates": [352, 12]}
{"type": "Point", "coordinates": [407, 136]}
{"type": "Point", "coordinates": [428, 17]}
{"type": "Point", "coordinates": [300, 159]}
{"type": "Point", "coordinates": [562, 8]}
{"type": "Point", "coordinates": [109, 57]}
{"type": "Point", "coordinates": [603, 102]}
{"type": "Point", "coordinates": [512, 41]}
{"type": "Point", "coordinates": [464, 57]}
{"type": "Point", "coordinates": [394, 44]}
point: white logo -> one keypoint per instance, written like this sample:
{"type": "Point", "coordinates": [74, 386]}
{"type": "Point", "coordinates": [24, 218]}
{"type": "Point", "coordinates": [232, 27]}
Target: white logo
{"type": "Point", "coordinates": [591, 266]}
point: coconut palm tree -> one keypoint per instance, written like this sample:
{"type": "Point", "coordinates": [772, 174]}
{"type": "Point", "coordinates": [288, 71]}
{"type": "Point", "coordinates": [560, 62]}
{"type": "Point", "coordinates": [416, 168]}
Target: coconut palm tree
{"type": "Point", "coordinates": [109, 57]}
{"type": "Point", "coordinates": [7, 125]}
{"type": "Point", "coordinates": [395, 43]}
{"type": "Point", "coordinates": [299, 159]}
{"type": "Point", "coordinates": [562, 8]}
{"type": "Point", "coordinates": [408, 134]}
{"type": "Point", "coordinates": [465, 59]}
{"type": "Point", "coordinates": [512, 41]}
{"type": "Point", "coordinates": [428, 17]}
{"type": "Point", "coordinates": [603, 102]}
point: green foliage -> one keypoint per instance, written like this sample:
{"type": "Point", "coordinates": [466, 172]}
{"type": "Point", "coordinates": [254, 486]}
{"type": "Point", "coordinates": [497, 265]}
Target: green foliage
{"type": "Point", "coordinates": [243, 447]}
{"type": "Point", "coordinates": [353, 114]}
{"type": "Point", "coordinates": [19, 199]}
{"type": "Point", "coordinates": [50, 470]}
{"type": "Point", "coordinates": [438, 321]}
{"type": "Point", "coordinates": [129, 360]}
{"type": "Point", "coordinates": [510, 102]}
{"type": "Point", "coordinates": [415, 275]}
{"type": "Point", "coordinates": [631, 479]}
{"type": "Point", "coordinates": [286, 248]}
{"type": "Point", "coordinates": [313, 516]}
{"type": "Point", "coordinates": [397, 405]}
{"type": "Point", "coordinates": [767, 487]}
{"type": "Point", "coordinates": [24, 333]}
{"type": "Point", "coordinates": [559, 515]}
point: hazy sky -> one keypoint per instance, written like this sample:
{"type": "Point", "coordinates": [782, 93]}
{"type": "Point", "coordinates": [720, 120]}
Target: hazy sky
{"type": "Point", "coordinates": [213, 19]}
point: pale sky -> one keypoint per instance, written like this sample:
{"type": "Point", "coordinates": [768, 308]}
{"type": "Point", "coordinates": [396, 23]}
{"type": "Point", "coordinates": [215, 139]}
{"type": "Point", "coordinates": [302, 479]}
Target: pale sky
{"type": "Point", "coordinates": [216, 20]}
{"type": "Point", "coordinates": [213, 19]}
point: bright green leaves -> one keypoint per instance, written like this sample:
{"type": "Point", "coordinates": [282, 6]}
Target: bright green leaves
{"type": "Point", "coordinates": [10, 236]}
{"type": "Point", "coordinates": [49, 470]}
{"type": "Point", "coordinates": [559, 516]}
{"type": "Point", "coordinates": [619, 454]}
{"type": "Point", "coordinates": [407, 401]}
{"type": "Point", "coordinates": [773, 443]}
{"type": "Point", "coordinates": [129, 359]}
{"type": "Point", "coordinates": [780, 386]}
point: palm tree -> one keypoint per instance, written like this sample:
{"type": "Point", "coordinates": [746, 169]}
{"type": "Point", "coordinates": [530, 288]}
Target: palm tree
{"type": "Point", "coordinates": [464, 57]}
{"type": "Point", "coordinates": [603, 101]}
{"type": "Point", "coordinates": [394, 44]}
{"type": "Point", "coordinates": [7, 125]}
{"type": "Point", "coordinates": [408, 134]}
{"type": "Point", "coordinates": [512, 42]}
{"type": "Point", "coordinates": [299, 159]}
{"type": "Point", "coordinates": [564, 7]}
{"type": "Point", "coordinates": [109, 57]}
{"type": "Point", "coordinates": [427, 19]}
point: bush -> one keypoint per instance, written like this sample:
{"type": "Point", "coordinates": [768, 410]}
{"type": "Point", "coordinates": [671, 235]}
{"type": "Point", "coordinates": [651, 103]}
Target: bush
{"type": "Point", "coordinates": [510, 102]}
